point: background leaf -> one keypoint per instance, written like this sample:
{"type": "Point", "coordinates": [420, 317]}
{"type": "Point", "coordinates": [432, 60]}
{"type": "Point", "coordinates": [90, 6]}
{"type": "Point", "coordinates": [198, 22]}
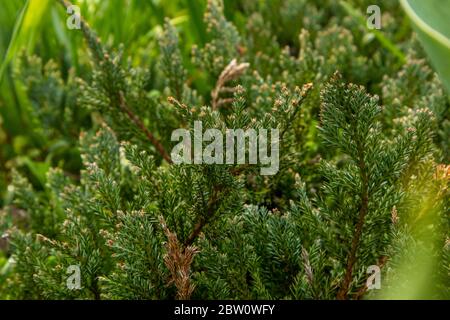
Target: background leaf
{"type": "Point", "coordinates": [430, 19]}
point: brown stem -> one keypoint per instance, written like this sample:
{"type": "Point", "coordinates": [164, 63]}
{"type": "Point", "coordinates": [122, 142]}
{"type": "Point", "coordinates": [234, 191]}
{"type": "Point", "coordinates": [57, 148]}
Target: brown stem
{"type": "Point", "coordinates": [178, 260]}
{"type": "Point", "coordinates": [121, 99]}
{"type": "Point", "coordinates": [351, 260]}
{"type": "Point", "coordinates": [156, 143]}
{"type": "Point", "coordinates": [210, 211]}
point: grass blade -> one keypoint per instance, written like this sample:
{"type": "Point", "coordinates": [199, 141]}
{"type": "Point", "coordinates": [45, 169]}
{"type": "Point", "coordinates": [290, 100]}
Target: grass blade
{"type": "Point", "coordinates": [25, 30]}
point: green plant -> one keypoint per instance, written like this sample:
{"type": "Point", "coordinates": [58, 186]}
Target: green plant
{"type": "Point", "coordinates": [432, 28]}
{"type": "Point", "coordinates": [359, 182]}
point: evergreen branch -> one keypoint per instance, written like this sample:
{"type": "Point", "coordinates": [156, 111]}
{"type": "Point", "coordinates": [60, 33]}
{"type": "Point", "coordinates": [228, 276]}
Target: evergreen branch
{"type": "Point", "coordinates": [204, 220]}
{"type": "Point", "coordinates": [101, 55]}
{"type": "Point", "coordinates": [260, 237]}
{"type": "Point", "coordinates": [307, 266]}
{"type": "Point", "coordinates": [137, 121]}
{"type": "Point", "coordinates": [178, 260]}
{"type": "Point", "coordinates": [231, 72]}
{"type": "Point", "coordinates": [342, 294]}
{"type": "Point", "coordinates": [296, 103]}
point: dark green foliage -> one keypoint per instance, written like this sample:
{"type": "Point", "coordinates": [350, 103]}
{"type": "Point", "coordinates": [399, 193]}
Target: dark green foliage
{"type": "Point", "coordinates": [359, 183]}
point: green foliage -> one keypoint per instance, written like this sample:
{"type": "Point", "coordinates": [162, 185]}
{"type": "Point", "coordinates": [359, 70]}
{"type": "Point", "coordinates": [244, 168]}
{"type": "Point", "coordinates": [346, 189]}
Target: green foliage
{"type": "Point", "coordinates": [91, 181]}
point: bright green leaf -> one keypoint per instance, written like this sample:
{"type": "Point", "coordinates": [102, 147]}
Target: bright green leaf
{"type": "Point", "coordinates": [431, 21]}
{"type": "Point", "coordinates": [25, 30]}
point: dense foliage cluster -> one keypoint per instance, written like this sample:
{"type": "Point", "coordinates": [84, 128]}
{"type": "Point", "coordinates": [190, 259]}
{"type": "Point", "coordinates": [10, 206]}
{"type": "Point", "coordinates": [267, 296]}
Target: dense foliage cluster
{"type": "Point", "coordinates": [362, 180]}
